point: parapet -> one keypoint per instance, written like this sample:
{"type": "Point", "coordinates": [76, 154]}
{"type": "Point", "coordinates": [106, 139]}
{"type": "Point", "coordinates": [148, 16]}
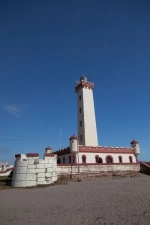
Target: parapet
{"type": "Point", "coordinates": [63, 151]}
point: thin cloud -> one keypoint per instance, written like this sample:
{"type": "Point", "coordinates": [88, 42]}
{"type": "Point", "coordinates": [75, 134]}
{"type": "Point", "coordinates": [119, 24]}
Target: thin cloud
{"type": "Point", "coordinates": [12, 109]}
{"type": "Point", "coordinates": [4, 150]}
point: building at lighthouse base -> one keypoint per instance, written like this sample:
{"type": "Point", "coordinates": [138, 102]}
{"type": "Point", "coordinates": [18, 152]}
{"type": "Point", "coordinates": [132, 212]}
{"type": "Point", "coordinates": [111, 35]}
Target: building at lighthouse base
{"type": "Point", "coordinates": [29, 170]}
{"type": "Point", "coordinates": [98, 154]}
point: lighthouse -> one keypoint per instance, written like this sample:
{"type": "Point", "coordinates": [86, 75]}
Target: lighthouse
{"type": "Point", "coordinates": [87, 129]}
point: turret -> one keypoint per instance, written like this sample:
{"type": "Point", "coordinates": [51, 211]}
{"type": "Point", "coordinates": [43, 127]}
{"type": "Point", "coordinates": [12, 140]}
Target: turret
{"type": "Point", "coordinates": [135, 145]}
{"type": "Point", "coordinates": [73, 144]}
{"type": "Point", "coordinates": [48, 150]}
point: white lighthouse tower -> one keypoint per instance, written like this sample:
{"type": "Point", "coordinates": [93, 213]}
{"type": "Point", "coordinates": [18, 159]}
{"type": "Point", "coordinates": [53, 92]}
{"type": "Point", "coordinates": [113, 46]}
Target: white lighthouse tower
{"type": "Point", "coordinates": [87, 130]}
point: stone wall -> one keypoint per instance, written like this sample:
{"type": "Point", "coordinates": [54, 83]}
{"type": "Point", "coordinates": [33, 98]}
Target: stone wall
{"type": "Point", "coordinates": [29, 170]}
{"type": "Point", "coordinates": [145, 167]}
{"type": "Point", "coordinates": [71, 171]}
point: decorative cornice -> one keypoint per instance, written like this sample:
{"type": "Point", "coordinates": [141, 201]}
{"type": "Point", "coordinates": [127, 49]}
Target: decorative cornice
{"type": "Point", "coordinates": [83, 84]}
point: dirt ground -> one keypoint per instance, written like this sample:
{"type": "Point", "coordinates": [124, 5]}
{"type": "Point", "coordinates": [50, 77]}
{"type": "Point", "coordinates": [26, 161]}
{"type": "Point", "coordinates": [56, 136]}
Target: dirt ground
{"type": "Point", "coordinates": [93, 201]}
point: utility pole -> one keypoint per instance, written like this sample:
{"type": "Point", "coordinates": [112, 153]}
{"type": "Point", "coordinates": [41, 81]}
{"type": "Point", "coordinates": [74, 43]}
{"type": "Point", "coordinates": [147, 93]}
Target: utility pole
{"type": "Point", "coordinates": [60, 138]}
{"type": "Point", "coordinates": [78, 162]}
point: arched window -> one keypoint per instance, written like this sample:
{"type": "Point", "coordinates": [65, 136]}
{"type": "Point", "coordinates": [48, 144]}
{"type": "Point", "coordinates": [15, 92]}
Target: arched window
{"type": "Point", "coordinates": [109, 159]}
{"type": "Point", "coordinates": [130, 159]}
{"type": "Point", "coordinates": [120, 159]}
{"type": "Point", "coordinates": [63, 159]}
{"type": "Point", "coordinates": [83, 158]}
{"type": "Point", "coordinates": [69, 158]}
{"type": "Point", "coordinates": [58, 161]}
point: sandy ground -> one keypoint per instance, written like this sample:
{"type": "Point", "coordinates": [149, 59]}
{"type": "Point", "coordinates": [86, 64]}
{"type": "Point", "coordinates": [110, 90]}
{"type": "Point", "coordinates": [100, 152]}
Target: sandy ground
{"type": "Point", "coordinates": [91, 201]}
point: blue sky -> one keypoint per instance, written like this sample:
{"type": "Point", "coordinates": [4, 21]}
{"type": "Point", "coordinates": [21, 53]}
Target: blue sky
{"type": "Point", "coordinates": [45, 46]}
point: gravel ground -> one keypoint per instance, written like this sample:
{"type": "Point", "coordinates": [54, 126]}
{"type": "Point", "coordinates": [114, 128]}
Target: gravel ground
{"type": "Point", "coordinates": [92, 201]}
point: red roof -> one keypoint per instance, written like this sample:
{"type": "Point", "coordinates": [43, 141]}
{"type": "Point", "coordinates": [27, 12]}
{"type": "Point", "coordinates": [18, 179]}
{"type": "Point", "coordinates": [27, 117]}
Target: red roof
{"type": "Point", "coordinates": [134, 142]}
{"type": "Point", "coordinates": [48, 148]}
{"type": "Point", "coordinates": [73, 137]}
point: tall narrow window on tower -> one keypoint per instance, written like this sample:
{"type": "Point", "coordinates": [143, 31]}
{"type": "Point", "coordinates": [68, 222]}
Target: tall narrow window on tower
{"type": "Point", "coordinates": [80, 110]}
{"type": "Point", "coordinates": [81, 137]}
{"type": "Point", "coordinates": [80, 123]}
{"type": "Point", "coordinates": [80, 98]}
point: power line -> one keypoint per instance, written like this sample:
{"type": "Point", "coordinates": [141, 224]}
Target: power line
{"type": "Point", "coordinates": [28, 139]}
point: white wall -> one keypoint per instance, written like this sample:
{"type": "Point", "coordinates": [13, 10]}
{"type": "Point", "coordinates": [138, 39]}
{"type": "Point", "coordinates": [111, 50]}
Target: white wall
{"type": "Point", "coordinates": [66, 158]}
{"type": "Point", "coordinates": [90, 157]}
{"type": "Point", "coordinates": [87, 116]}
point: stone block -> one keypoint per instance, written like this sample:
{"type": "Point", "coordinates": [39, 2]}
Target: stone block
{"type": "Point", "coordinates": [49, 165]}
{"type": "Point", "coordinates": [54, 179]}
{"type": "Point", "coordinates": [30, 161]}
{"type": "Point", "coordinates": [49, 170]}
{"type": "Point", "coordinates": [30, 177]}
{"type": "Point", "coordinates": [41, 179]}
{"type": "Point", "coordinates": [54, 163]}
{"type": "Point", "coordinates": [20, 163]}
{"type": "Point", "coordinates": [27, 183]}
{"type": "Point", "coordinates": [42, 182]}
{"type": "Point", "coordinates": [43, 161]}
{"type": "Point", "coordinates": [49, 174]}
{"type": "Point", "coordinates": [23, 169]}
{"type": "Point", "coordinates": [41, 175]}
{"type": "Point", "coordinates": [39, 166]}
{"type": "Point", "coordinates": [15, 183]}
{"type": "Point", "coordinates": [41, 170]}
{"type": "Point", "coordinates": [54, 168]}
{"type": "Point", "coordinates": [54, 174]}
{"type": "Point", "coordinates": [50, 160]}
{"type": "Point", "coordinates": [31, 171]}
{"type": "Point", "coordinates": [19, 177]}
{"type": "Point", "coordinates": [31, 166]}
{"type": "Point", "coordinates": [16, 170]}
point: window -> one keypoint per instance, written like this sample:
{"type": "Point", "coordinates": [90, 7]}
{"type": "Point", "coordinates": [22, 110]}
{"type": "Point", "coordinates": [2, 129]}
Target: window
{"type": "Point", "coordinates": [58, 161]}
{"type": "Point", "coordinates": [130, 159]}
{"type": "Point", "coordinates": [98, 159]}
{"type": "Point", "coordinates": [83, 158]}
{"type": "Point", "coordinates": [63, 159]}
{"type": "Point", "coordinates": [79, 97]}
{"type": "Point", "coordinates": [80, 123]}
{"type": "Point", "coordinates": [80, 110]}
{"type": "Point", "coordinates": [109, 159]}
{"type": "Point", "coordinates": [120, 159]}
{"type": "Point", "coordinates": [81, 137]}
{"type": "Point", "coordinates": [69, 158]}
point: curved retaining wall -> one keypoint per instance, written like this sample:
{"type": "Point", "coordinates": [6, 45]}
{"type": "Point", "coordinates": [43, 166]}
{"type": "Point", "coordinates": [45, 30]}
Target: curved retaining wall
{"type": "Point", "coordinates": [29, 170]}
